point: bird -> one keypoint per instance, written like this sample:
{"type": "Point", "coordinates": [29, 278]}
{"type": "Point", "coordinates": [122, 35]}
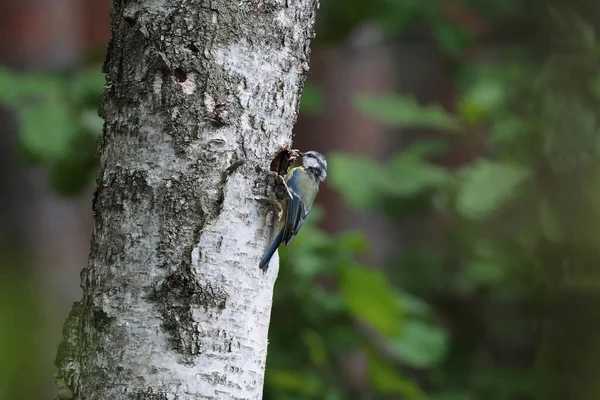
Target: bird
{"type": "Point", "coordinates": [302, 179]}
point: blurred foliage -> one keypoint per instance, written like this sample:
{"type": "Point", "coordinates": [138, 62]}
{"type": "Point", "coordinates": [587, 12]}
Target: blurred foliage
{"type": "Point", "coordinates": [57, 117]}
{"type": "Point", "coordinates": [327, 306]}
{"type": "Point", "coordinates": [494, 296]}
{"type": "Point", "coordinates": [404, 111]}
{"type": "Point", "coordinates": [505, 273]}
{"type": "Point", "coordinates": [20, 338]}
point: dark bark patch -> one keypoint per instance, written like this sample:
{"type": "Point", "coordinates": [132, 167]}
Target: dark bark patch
{"type": "Point", "coordinates": [149, 394]}
{"type": "Point", "coordinates": [233, 167]}
{"type": "Point", "coordinates": [266, 7]}
{"type": "Point", "coordinates": [181, 291]}
{"type": "Point", "coordinates": [118, 191]}
{"type": "Point", "coordinates": [101, 320]}
{"type": "Point", "coordinates": [177, 296]}
{"type": "Point", "coordinates": [164, 70]}
{"type": "Point", "coordinates": [129, 19]}
{"type": "Point", "coordinates": [180, 75]}
{"type": "Point", "coordinates": [193, 48]}
{"type": "Point", "coordinates": [122, 186]}
{"type": "Point", "coordinates": [217, 115]}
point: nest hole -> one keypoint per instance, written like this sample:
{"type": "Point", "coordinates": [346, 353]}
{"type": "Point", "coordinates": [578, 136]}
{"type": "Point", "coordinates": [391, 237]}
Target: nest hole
{"type": "Point", "coordinates": [283, 160]}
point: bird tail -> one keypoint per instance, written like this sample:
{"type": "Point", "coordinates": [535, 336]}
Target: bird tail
{"type": "Point", "coordinates": [264, 262]}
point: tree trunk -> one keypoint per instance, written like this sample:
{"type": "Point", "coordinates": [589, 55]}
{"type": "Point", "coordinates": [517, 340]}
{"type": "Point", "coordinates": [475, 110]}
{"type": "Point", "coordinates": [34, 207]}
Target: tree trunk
{"type": "Point", "coordinates": [200, 95]}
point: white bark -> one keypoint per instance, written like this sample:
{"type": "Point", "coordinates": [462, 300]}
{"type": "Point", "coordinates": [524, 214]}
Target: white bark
{"type": "Point", "coordinates": [200, 96]}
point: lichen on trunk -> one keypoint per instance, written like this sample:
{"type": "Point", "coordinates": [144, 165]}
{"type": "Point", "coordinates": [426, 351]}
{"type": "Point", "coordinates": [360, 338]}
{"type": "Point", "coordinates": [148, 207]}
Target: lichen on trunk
{"type": "Point", "coordinates": [200, 95]}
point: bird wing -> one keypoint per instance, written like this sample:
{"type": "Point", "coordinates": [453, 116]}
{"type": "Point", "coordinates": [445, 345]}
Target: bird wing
{"type": "Point", "coordinates": [295, 211]}
{"type": "Point", "coordinates": [301, 219]}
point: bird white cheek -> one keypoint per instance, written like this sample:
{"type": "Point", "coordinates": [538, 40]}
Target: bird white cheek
{"type": "Point", "coordinates": [311, 163]}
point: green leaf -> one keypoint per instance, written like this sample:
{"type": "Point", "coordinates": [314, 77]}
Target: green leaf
{"type": "Point", "coordinates": [404, 111]}
{"type": "Point", "coordinates": [486, 186]}
{"type": "Point", "coordinates": [353, 177]}
{"type": "Point", "coordinates": [421, 344]}
{"type": "Point", "coordinates": [330, 302]}
{"type": "Point", "coordinates": [86, 87]}
{"type": "Point", "coordinates": [478, 273]}
{"type": "Point", "coordinates": [363, 183]}
{"type": "Point", "coordinates": [316, 346]}
{"type": "Point", "coordinates": [393, 16]}
{"type": "Point", "coordinates": [310, 264]}
{"type": "Point", "coordinates": [47, 121]}
{"type": "Point", "coordinates": [482, 100]}
{"type": "Point", "coordinates": [46, 130]}
{"type": "Point", "coordinates": [344, 338]}
{"type": "Point", "coordinates": [427, 148]}
{"type": "Point", "coordinates": [387, 380]}
{"type": "Point", "coordinates": [293, 381]}
{"type": "Point", "coordinates": [352, 242]}
{"type": "Point", "coordinates": [370, 298]}
{"type": "Point", "coordinates": [333, 394]}
{"type": "Point", "coordinates": [508, 129]}
{"type": "Point", "coordinates": [414, 306]}
{"type": "Point", "coordinates": [408, 177]}
{"type": "Point", "coordinates": [452, 38]}
{"type": "Point", "coordinates": [15, 88]}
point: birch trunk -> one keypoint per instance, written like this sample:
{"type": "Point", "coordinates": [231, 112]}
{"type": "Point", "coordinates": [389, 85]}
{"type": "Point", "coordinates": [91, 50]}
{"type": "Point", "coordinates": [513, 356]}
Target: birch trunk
{"type": "Point", "coordinates": [200, 95]}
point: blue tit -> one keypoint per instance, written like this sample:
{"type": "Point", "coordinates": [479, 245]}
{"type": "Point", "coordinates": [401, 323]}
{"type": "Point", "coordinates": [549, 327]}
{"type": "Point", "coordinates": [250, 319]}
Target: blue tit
{"type": "Point", "coordinates": [302, 179]}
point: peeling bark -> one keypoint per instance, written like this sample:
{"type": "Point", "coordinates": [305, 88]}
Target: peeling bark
{"type": "Point", "coordinates": [200, 95]}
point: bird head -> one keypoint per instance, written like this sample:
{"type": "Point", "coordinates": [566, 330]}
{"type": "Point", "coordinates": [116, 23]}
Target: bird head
{"type": "Point", "coordinates": [316, 164]}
